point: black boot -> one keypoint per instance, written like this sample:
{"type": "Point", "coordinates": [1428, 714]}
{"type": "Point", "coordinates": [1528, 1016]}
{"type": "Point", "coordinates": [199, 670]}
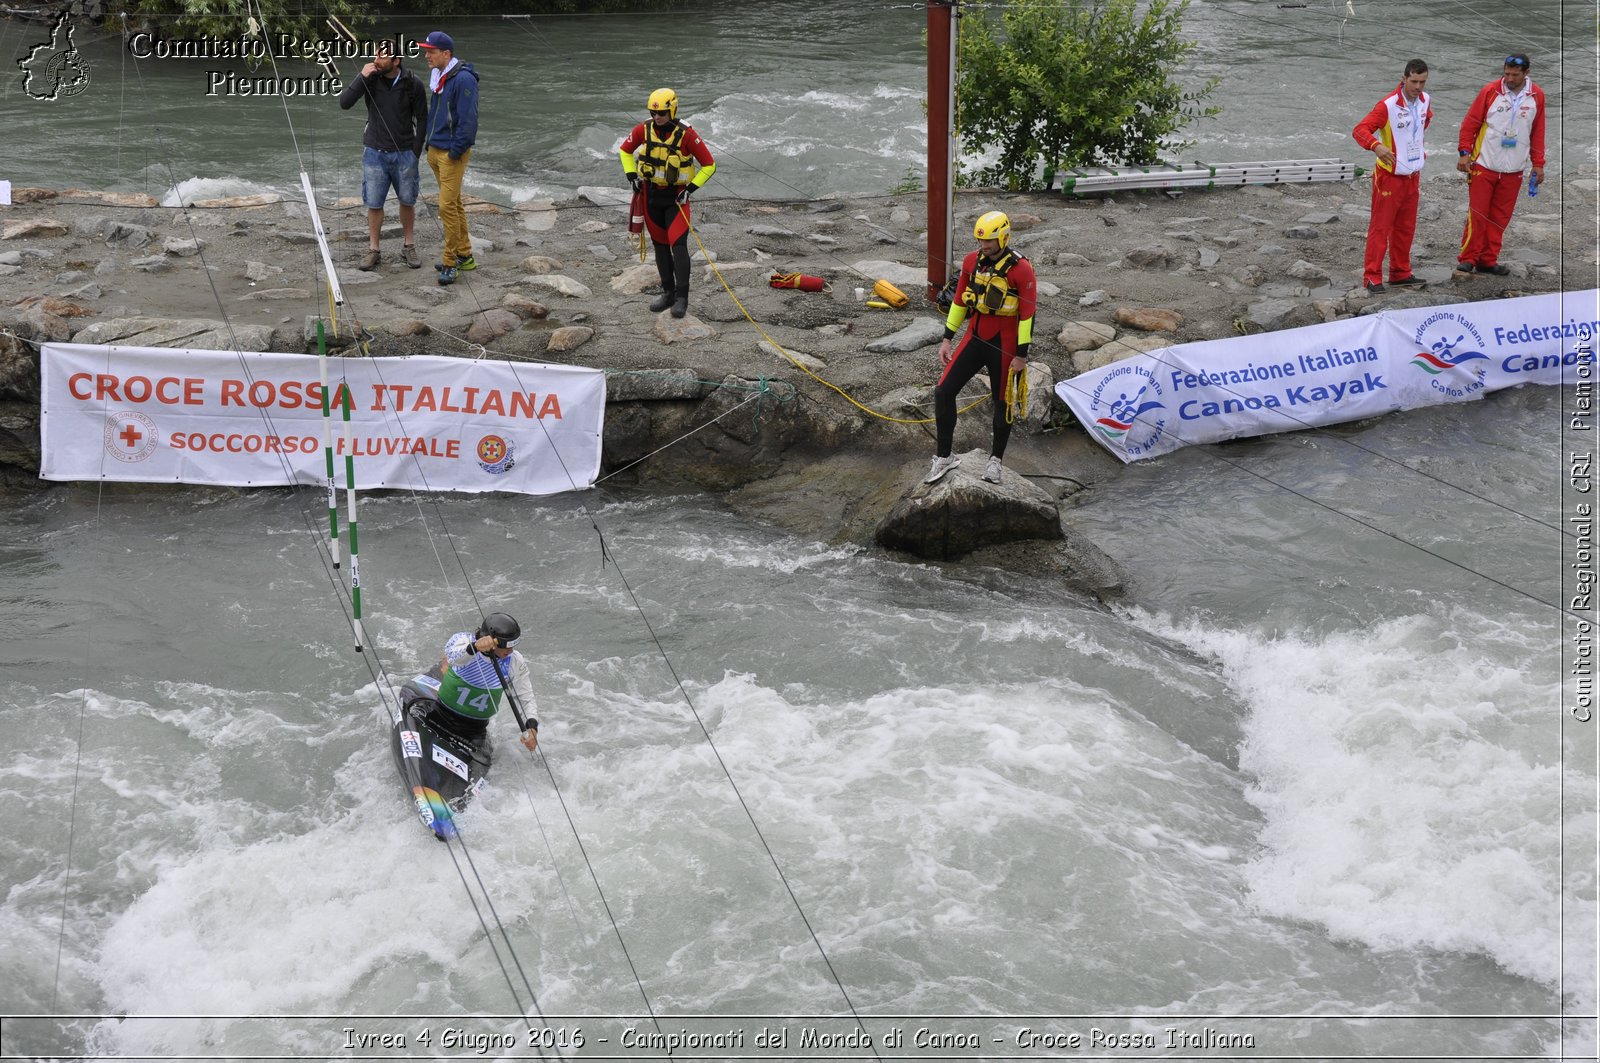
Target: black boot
{"type": "Point", "coordinates": [664, 269]}
{"type": "Point", "coordinates": [680, 274]}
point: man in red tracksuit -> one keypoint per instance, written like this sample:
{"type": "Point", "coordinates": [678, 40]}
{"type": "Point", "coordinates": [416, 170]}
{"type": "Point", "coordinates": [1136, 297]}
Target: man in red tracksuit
{"type": "Point", "coordinates": [1393, 131]}
{"type": "Point", "coordinates": [1503, 130]}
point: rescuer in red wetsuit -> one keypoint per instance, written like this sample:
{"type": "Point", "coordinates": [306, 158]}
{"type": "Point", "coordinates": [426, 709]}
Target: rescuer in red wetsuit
{"type": "Point", "coordinates": [673, 163]}
{"type": "Point", "coordinates": [998, 288]}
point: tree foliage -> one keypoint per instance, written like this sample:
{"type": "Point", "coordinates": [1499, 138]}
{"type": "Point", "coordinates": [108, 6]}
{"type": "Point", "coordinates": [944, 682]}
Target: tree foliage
{"type": "Point", "coordinates": [1070, 83]}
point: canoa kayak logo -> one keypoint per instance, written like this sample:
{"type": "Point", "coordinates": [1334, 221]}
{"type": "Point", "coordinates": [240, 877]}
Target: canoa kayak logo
{"type": "Point", "coordinates": [1442, 336]}
{"type": "Point", "coordinates": [131, 436]}
{"type": "Point", "coordinates": [496, 455]}
{"type": "Point", "coordinates": [55, 69]}
{"type": "Point", "coordinates": [1128, 411]}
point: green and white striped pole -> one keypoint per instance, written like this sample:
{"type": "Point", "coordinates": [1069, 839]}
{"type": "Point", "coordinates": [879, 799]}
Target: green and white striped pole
{"type": "Point", "coordinates": [327, 447]}
{"type": "Point", "coordinates": [350, 496]}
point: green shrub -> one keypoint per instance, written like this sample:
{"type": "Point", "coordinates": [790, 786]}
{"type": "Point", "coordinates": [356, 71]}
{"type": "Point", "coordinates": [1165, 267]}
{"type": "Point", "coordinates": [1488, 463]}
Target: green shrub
{"type": "Point", "coordinates": [1069, 83]}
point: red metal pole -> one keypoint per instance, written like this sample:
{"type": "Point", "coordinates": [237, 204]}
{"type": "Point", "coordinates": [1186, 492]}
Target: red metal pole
{"type": "Point", "coordinates": [941, 112]}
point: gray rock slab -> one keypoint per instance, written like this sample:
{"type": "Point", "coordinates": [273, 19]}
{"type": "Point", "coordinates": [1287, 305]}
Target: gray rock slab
{"type": "Point", "coordinates": [1147, 258]}
{"type": "Point", "coordinates": [197, 335]}
{"type": "Point", "coordinates": [1306, 271]}
{"type": "Point", "coordinates": [901, 276]}
{"type": "Point", "coordinates": [655, 385]}
{"type": "Point", "coordinates": [812, 363]}
{"type": "Point", "coordinates": [921, 332]}
{"type": "Point", "coordinates": [686, 329]}
{"type": "Point", "coordinates": [1270, 313]}
{"type": "Point", "coordinates": [602, 196]}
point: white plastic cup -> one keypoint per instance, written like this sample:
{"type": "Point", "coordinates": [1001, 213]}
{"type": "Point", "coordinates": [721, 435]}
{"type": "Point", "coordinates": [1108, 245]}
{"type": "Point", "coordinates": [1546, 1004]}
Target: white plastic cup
{"type": "Point", "coordinates": [861, 295]}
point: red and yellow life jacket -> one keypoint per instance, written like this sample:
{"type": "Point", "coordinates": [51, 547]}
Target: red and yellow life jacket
{"type": "Point", "coordinates": [988, 291]}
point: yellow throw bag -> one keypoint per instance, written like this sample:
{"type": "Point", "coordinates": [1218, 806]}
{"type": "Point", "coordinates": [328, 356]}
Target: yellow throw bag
{"type": "Point", "coordinates": [890, 294]}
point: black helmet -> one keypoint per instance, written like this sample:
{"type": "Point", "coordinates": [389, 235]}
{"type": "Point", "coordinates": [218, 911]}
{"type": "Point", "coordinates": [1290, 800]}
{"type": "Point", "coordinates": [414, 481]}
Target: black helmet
{"type": "Point", "coordinates": [502, 628]}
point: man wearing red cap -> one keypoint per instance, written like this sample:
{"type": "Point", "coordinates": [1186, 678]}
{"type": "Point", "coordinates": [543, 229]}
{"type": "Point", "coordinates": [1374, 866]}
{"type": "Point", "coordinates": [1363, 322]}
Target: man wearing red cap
{"type": "Point", "coordinates": [452, 130]}
{"type": "Point", "coordinates": [1502, 132]}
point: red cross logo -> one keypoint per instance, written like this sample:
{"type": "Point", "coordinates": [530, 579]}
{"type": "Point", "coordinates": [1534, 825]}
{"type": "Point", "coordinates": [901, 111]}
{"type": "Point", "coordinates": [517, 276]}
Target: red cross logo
{"type": "Point", "coordinates": [130, 436]}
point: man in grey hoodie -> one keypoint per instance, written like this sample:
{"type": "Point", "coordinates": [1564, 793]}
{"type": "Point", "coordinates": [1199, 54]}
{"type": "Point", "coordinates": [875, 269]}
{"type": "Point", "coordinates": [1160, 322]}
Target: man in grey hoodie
{"type": "Point", "coordinates": [397, 113]}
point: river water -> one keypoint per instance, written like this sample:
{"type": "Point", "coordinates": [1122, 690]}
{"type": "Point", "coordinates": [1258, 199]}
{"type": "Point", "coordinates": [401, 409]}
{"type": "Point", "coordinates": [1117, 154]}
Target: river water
{"type": "Point", "coordinates": [810, 98]}
{"type": "Point", "coordinates": [1313, 783]}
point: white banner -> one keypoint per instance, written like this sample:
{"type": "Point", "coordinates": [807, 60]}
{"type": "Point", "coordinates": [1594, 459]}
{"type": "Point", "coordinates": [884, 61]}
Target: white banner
{"type": "Point", "coordinates": [158, 415]}
{"type": "Point", "coordinates": [1155, 403]}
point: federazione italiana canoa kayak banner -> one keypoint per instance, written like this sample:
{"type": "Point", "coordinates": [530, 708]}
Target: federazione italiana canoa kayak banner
{"type": "Point", "coordinates": [158, 415]}
{"type": "Point", "coordinates": [1155, 403]}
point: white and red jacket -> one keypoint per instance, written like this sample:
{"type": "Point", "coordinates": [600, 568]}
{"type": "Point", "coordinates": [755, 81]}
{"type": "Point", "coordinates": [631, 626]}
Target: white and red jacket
{"type": "Point", "coordinates": [1496, 116]}
{"type": "Point", "coordinates": [1395, 122]}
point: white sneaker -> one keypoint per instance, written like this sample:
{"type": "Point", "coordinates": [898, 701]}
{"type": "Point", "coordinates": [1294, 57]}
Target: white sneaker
{"type": "Point", "coordinates": [992, 472]}
{"type": "Point", "coordinates": [939, 467]}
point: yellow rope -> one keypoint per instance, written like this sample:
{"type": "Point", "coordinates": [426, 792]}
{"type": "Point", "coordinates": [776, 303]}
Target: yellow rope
{"type": "Point", "coordinates": [1016, 396]}
{"type": "Point", "coordinates": [781, 350]}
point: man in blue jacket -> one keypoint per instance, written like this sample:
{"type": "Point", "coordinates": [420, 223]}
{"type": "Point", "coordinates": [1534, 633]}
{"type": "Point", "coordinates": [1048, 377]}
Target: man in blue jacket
{"type": "Point", "coordinates": [452, 129]}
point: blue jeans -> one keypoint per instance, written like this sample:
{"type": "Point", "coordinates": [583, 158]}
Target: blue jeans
{"type": "Point", "coordinates": [380, 169]}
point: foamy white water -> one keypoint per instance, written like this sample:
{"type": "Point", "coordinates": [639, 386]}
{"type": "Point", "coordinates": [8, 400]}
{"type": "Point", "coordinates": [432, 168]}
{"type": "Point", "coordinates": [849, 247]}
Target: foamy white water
{"type": "Point", "coordinates": [990, 797]}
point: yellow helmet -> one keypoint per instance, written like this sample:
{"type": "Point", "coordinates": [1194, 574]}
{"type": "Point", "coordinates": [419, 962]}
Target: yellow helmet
{"type": "Point", "coordinates": [993, 226]}
{"type": "Point", "coordinates": [664, 100]}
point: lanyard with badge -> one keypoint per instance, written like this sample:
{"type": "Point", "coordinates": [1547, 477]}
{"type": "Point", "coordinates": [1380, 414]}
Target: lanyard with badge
{"type": "Point", "coordinates": [1414, 142]}
{"type": "Point", "coordinates": [1508, 139]}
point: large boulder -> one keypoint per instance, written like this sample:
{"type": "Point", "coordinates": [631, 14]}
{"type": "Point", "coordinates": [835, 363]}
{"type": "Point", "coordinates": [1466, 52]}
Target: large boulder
{"type": "Point", "coordinates": [962, 512]}
{"type": "Point", "coordinates": [564, 285]}
{"type": "Point", "coordinates": [1078, 336]}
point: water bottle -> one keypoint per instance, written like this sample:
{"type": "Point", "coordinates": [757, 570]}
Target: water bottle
{"type": "Point", "coordinates": [1533, 185]}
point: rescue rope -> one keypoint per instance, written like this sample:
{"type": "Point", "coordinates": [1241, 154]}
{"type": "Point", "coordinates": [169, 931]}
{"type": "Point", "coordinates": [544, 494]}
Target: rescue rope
{"type": "Point", "coordinates": [1016, 395]}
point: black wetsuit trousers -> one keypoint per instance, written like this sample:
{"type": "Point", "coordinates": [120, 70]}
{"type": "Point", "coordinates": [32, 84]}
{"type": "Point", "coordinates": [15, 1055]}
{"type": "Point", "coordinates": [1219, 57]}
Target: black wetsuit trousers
{"type": "Point", "coordinates": [974, 354]}
{"type": "Point", "coordinates": [672, 260]}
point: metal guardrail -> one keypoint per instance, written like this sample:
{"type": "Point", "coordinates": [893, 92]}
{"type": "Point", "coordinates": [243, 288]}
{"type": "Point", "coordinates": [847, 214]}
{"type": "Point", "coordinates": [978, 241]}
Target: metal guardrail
{"type": "Point", "coordinates": [1205, 175]}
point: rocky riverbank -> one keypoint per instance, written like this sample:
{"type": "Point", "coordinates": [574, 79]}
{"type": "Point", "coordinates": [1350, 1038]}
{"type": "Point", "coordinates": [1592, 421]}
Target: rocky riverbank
{"type": "Point", "coordinates": [561, 282]}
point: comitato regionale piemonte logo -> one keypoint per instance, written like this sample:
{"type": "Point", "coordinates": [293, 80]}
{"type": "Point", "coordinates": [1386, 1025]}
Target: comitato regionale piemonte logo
{"type": "Point", "coordinates": [55, 69]}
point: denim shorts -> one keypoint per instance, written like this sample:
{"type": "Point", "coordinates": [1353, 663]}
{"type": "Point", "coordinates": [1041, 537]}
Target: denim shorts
{"type": "Point", "coordinates": [381, 169]}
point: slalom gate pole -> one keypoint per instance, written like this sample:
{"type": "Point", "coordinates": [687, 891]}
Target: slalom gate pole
{"type": "Point", "coordinates": [350, 496]}
{"type": "Point", "coordinates": [327, 447]}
